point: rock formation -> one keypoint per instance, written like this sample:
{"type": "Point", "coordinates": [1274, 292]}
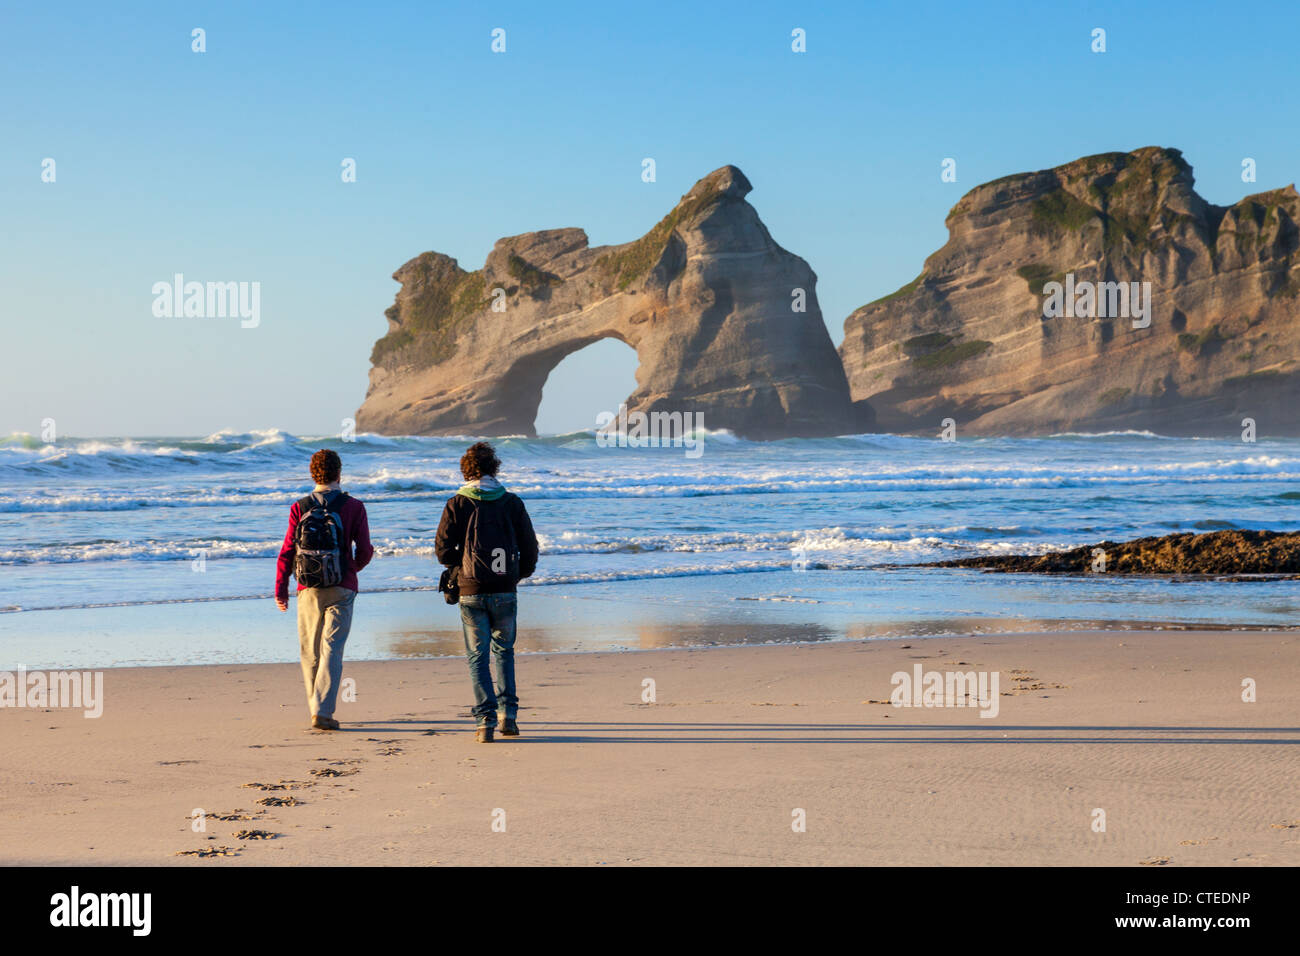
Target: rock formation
{"type": "Point", "coordinates": [1217, 553]}
{"type": "Point", "coordinates": [706, 298]}
{"type": "Point", "coordinates": [967, 338]}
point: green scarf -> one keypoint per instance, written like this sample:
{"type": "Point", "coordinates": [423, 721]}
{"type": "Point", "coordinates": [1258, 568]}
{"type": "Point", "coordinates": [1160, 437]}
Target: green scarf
{"type": "Point", "coordinates": [483, 489]}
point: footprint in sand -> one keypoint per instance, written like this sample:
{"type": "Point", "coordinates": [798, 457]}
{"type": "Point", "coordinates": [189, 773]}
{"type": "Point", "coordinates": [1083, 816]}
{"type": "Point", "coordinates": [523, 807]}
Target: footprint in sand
{"type": "Point", "coordinates": [331, 772]}
{"type": "Point", "coordinates": [282, 785]}
{"type": "Point", "coordinates": [391, 752]}
{"type": "Point", "coordinates": [1155, 861]}
{"type": "Point", "coordinates": [280, 802]}
{"type": "Point", "coordinates": [1023, 682]}
{"type": "Point", "coordinates": [236, 814]}
{"type": "Point", "coordinates": [255, 835]}
{"type": "Point", "coordinates": [210, 851]}
{"type": "Point", "coordinates": [1290, 825]}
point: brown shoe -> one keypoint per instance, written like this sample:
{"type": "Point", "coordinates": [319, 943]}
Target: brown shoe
{"type": "Point", "coordinates": [324, 723]}
{"type": "Point", "coordinates": [484, 733]}
{"type": "Point", "coordinates": [508, 727]}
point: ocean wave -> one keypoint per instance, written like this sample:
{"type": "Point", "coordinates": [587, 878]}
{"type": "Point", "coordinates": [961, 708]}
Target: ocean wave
{"type": "Point", "coordinates": [398, 486]}
{"type": "Point", "coordinates": [536, 464]}
{"type": "Point", "coordinates": [108, 550]}
{"type": "Point", "coordinates": [547, 577]}
{"type": "Point", "coordinates": [1126, 433]}
{"type": "Point", "coordinates": [539, 580]}
{"type": "Point", "coordinates": [252, 439]}
{"type": "Point", "coordinates": [828, 544]}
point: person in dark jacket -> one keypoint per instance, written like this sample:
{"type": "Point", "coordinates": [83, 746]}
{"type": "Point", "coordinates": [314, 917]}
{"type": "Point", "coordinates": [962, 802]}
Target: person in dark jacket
{"type": "Point", "coordinates": [486, 533]}
{"type": "Point", "coordinates": [325, 613]}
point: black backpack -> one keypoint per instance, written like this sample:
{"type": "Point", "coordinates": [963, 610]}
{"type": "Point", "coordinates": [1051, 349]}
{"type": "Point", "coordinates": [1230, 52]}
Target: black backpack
{"type": "Point", "coordinates": [491, 551]}
{"type": "Point", "coordinates": [319, 541]}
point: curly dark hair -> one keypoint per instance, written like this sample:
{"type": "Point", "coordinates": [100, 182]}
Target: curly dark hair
{"type": "Point", "coordinates": [326, 467]}
{"type": "Point", "coordinates": [479, 459]}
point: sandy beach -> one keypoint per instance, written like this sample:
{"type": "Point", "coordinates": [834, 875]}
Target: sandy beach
{"type": "Point", "coordinates": [1148, 727]}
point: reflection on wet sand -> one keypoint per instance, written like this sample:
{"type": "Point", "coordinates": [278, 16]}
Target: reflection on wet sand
{"type": "Point", "coordinates": [408, 642]}
{"type": "Point", "coordinates": [442, 641]}
{"type": "Point", "coordinates": [954, 626]}
{"type": "Point", "coordinates": [959, 626]}
{"type": "Point", "coordinates": [729, 632]}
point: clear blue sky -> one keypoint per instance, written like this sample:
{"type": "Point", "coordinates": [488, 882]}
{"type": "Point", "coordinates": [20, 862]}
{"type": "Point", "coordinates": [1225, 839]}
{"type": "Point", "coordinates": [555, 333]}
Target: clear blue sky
{"type": "Point", "coordinates": [225, 165]}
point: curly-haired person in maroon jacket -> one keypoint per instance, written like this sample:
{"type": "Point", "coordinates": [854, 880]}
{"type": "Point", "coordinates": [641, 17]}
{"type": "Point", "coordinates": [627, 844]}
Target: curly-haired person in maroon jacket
{"type": "Point", "coordinates": [325, 612]}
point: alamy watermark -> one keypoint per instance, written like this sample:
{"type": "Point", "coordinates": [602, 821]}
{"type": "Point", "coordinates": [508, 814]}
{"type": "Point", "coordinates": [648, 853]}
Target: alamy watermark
{"type": "Point", "coordinates": [1098, 300]}
{"type": "Point", "coordinates": [946, 689]}
{"type": "Point", "coordinates": [77, 908]}
{"type": "Point", "coordinates": [42, 689]}
{"type": "Point", "coordinates": [626, 429]}
{"type": "Point", "coordinates": [179, 299]}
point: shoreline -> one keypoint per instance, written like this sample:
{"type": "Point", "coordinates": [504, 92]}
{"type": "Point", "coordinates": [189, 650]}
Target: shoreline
{"type": "Point", "coordinates": [1173, 578]}
{"type": "Point", "coordinates": [723, 609]}
{"type": "Point", "coordinates": [1032, 628]}
{"type": "Point", "coordinates": [1086, 628]}
{"type": "Point", "coordinates": [1148, 726]}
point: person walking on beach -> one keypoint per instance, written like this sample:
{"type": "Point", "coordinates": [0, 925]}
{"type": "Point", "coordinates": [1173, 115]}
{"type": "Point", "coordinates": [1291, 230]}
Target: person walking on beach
{"type": "Point", "coordinates": [486, 533]}
{"type": "Point", "coordinates": [327, 543]}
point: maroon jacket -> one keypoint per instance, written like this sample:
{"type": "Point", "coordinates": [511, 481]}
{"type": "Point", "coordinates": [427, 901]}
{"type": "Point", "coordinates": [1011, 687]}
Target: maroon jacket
{"type": "Point", "coordinates": [356, 532]}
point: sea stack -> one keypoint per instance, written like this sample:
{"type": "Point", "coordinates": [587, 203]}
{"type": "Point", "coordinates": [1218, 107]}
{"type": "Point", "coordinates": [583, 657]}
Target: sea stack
{"type": "Point", "coordinates": [724, 321]}
{"type": "Point", "coordinates": [968, 339]}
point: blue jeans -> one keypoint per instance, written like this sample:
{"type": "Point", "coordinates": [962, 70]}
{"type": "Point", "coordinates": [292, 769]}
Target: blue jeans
{"type": "Point", "coordinates": [488, 621]}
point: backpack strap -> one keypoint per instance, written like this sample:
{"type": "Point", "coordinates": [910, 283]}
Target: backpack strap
{"type": "Point", "coordinates": [332, 501]}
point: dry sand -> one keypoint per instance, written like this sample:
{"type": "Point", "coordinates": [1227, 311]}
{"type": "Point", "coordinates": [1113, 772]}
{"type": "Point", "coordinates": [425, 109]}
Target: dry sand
{"type": "Point", "coordinates": [1149, 727]}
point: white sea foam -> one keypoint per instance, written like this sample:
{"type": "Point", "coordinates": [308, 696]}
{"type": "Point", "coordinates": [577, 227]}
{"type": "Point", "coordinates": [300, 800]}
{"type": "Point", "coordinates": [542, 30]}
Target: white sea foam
{"type": "Point", "coordinates": [123, 516]}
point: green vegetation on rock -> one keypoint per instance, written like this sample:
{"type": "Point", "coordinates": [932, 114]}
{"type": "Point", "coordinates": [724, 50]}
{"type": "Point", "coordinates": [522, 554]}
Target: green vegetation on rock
{"type": "Point", "coordinates": [951, 354]}
{"type": "Point", "coordinates": [390, 344]}
{"type": "Point", "coordinates": [898, 293]}
{"type": "Point", "coordinates": [1037, 275]}
{"type": "Point", "coordinates": [1203, 343]}
{"type": "Point", "coordinates": [529, 276]}
{"type": "Point", "coordinates": [636, 259]}
{"type": "Point", "coordinates": [430, 319]}
{"type": "Point", "coordinates": [926, 343]}
{"type": "Point", "coordinates": [1061, 210]}
{"type": "Point", "coordinates": [1128, 191]}
{"type": "Point", "coordinates": [471, 296]}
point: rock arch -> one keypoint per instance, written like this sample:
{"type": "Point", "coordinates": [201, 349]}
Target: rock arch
{"type": "Point", "coordinates": [593, 379]}
{"type": "Point", "coordinates": [704, 298]}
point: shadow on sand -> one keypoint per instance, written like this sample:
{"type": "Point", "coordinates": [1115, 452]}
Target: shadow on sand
{"type": "Point", "coordinates": [682, 732]}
